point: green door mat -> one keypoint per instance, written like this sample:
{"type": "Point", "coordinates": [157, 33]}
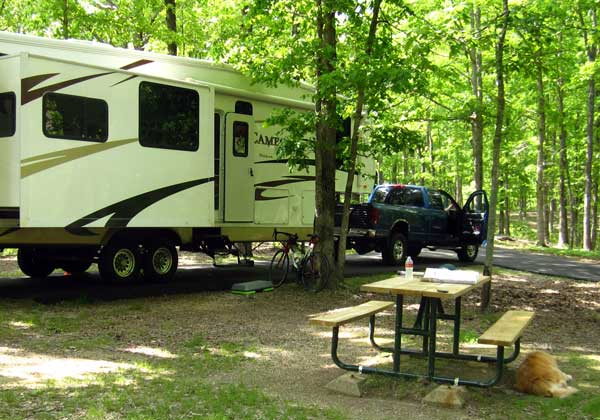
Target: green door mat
{"type": "Point", "coordinates": [251, 287]}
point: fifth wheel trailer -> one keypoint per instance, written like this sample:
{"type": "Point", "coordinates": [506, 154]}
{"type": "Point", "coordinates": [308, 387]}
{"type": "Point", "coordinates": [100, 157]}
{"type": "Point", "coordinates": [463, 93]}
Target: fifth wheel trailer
{"type": "Point", "coordinates": [119, 157]}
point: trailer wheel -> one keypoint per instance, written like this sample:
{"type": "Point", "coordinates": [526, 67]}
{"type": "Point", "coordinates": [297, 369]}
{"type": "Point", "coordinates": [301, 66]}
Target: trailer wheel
{"type": "Point", "coordinates": [120, 262]}
{"type": "Point", "coordinates": [160, 262]}
{"type": "Point", "coordinates": [32, 263]}
{"type": "Point", "coordinates": [396, 251]}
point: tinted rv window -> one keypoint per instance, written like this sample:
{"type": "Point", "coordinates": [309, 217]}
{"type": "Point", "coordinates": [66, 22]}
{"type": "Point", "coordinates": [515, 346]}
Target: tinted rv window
{"type": "Point", "coordinates": [75, 117]}
{"type": "Point", "coordinates": [169, 117]}
{"type": "Point", "coordinates": [240, 139]}
{"type": "Point", "coordinates": [7, 114]}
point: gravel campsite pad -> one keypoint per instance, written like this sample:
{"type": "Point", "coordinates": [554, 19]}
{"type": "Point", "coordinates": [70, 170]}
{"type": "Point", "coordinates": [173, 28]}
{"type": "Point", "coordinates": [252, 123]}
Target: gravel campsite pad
{"type": "Point", "coordinates": [279, 353]}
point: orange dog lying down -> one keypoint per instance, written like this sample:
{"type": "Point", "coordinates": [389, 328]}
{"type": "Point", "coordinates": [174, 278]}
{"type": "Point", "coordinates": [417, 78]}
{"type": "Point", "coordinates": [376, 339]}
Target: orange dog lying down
{"type": "Point", "coordinates": [539, 375]}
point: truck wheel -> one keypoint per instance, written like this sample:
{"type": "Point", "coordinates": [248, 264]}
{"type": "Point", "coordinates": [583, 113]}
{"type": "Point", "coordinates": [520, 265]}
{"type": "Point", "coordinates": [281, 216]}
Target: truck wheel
{"type": "Point", "coordinates": [396, 250]}
{"type": "Point", "coordinates": [120, 262]}
{"type": "Point", "coordinates": [414, 251]}
{"type": "Point", "coordinates": [468, 253]}
{"type": "Point", "coordinates": [160, 262]}
{"type": "Point", "coordinates": [362, 249]}
{"type": "Point", "coordinates": [32, 263]}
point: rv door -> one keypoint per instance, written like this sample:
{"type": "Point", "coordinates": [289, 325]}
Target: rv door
{"type": "Point", "coordinates": [239, 171]}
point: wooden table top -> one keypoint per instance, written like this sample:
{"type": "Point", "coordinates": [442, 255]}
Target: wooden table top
{"type": "Point", "coordinates": [418, 287]}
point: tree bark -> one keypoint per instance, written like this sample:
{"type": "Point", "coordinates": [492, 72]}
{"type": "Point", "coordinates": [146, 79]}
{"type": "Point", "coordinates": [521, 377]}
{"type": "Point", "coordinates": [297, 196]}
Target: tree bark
{"type": "Point", "coordinates": [489, 250]}
{"type": "Point", "coordinates": [360, 100]}
{"type": "Point", "coordinates": [563, 228]}
{"type": "Point", "coordinates": [541, 220]}
{"type": "Point", "coordinates": [325, 151]}
{"type": "Point", "coordinates": [171, 20]}
{"type": "Point", "coordinates": [477, 91]}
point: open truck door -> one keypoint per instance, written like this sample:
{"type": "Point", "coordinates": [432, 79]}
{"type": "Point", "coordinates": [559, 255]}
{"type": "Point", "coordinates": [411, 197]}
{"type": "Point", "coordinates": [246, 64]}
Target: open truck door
{"type": "Point", "coordinates": [239, 171]}
{"type": "Point", "coordinates": [475, 218]}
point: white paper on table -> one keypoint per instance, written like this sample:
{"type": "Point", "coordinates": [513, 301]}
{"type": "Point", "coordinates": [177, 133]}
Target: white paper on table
{"type": "Point", "coordinates": [443, 275]}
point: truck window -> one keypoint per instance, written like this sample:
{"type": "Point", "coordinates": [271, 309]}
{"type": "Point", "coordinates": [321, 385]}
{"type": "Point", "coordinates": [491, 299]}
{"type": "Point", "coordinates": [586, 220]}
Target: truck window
{"type": "Point", "coordinates": [435, 200]}
{"type": "Point", "coordinates": [7, 114]}
{"type": "Point", "coordinates": [169, 117]}
{"type": "Point", "coordinates": [413, 197]}
{"type": "Point", "coordinates": [73, 117]}
{"type": "Point", "coordinates": [379, 195]}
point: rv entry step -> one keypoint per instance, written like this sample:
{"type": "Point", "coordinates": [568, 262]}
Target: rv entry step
{"type": "Point", "coordinates": [251, 287]}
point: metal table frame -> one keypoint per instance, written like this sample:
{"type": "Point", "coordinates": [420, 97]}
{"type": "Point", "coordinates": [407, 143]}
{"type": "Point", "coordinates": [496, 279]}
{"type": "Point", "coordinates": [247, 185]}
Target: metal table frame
{"type": "Point", "coordinates": [430, 310]}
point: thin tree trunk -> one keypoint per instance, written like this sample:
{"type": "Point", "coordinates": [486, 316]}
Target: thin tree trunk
{"type": "Point", "coordinates": [477, 91]}
{"type": "Point", "coordinates": [541, 220]}
{"type": "Point", "coordinates": [325, 153]}
{"type": "Point", "coordinates": [430, 148]}
{"type": "Point", "coordinates": [489, 250]}
{"type": "Point", "coordinates": [65, 20]}
{"type": "Point", "coordinates": [171, 21]}
{"type": "Point", "coordinates": [360, 100]}
{"type": "Point", "coordinates": [563, 230]}
{"type": "Point", "coordinates": [507, 204]}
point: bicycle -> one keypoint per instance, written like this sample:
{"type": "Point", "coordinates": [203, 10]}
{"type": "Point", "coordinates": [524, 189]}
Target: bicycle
{"type": "Point", "coordinates": [312, 267]}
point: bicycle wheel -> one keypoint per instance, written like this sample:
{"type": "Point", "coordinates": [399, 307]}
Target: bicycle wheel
{"type": "Point", "coordinates": [315, 272]}
{"type": "Point", "coordinates": [279, 268]}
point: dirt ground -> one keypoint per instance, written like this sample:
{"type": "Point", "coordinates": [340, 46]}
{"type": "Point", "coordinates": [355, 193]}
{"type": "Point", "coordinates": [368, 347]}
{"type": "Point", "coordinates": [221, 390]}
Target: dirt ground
{"type": "Point", "coordinates": [290, 359]}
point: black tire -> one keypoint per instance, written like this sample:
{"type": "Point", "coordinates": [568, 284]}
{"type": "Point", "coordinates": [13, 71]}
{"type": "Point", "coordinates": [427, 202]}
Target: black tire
{"type": "Point", "coordinates": [76, 267]}
{"type": "Point", "coordinates": [315, 275]}
{"type": "Point", "coordinates": [414, 251]}
{"type": "Point", "coordinates": [361, 249]}
{"type": "Point", "coordinates": [396, 251]}
{"type": "Point", "coordinates": [279, 268]}
{"type": "Point", "coordinates": [120, 262]}
{"type": "Point", "coordinates": [468, 253]}
{"type": "Point", "coordinates": [32, 263]}
{"type": "Point", "coordinates": [160, 262]}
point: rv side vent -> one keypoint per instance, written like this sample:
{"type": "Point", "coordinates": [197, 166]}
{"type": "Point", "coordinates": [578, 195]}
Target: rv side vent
{"type": "Point", "coordinates": [243, 107]}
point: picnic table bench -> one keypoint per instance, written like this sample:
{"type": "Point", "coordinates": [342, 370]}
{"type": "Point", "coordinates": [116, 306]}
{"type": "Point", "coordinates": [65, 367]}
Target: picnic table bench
{"type": "Point", "coordinates": [505, 332]}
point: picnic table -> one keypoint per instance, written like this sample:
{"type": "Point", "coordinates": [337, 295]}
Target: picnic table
{"type": "Point", "coordinates": [507, 331]}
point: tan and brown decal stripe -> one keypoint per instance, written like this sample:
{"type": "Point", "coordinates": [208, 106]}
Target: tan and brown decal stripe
{"type": "Point", "coordinates": [28, 95]}
{"type": "Point", "coordinates": [263, 186]}
{"type": "Point", "coordinates": [35, 164]}
{"type": "Point", "coordinates": [122, 212]}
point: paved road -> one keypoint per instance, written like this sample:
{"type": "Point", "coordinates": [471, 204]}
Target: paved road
{"type": "Point", "coordinates": [205, 277]}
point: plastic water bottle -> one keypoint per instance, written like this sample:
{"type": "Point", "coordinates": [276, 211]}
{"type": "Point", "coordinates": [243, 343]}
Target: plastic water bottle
{"type": "Point", "coordinates": [408, 269]}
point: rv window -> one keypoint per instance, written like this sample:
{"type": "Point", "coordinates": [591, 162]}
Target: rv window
{"type": "Point", "coordinates": [74, 117]}
{"type": "Point", "coordinates": [7, 114]}
{"type": "Point", "coordinates": [169, 117]}
{"type": "Point", "coordinates": [243, 107]}
{"type": "Point", "coordinates": [240, 139]}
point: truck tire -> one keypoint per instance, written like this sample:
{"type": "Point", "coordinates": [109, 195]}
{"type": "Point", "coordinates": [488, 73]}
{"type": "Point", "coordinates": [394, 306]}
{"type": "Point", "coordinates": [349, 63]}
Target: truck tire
{"type": "Point", "coordinates": [32, 263]}
{"type": "Point", "coordinates": [361, 248]}
{"type": "Point", "coordinates": [414, 251]}
{"type": "Point", "coordinates": [160, 262]}
{"type": "Point", "coordinates": [120, 262]}
{"type": "Point", "coordinates": [396, 251]}
{"type": "Point", "coordinates": [468, 253]}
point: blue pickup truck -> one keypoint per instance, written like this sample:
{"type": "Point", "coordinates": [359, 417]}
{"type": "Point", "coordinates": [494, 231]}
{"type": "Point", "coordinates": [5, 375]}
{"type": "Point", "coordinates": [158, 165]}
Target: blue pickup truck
{"type": "Point", "coordinates": [400, 220]}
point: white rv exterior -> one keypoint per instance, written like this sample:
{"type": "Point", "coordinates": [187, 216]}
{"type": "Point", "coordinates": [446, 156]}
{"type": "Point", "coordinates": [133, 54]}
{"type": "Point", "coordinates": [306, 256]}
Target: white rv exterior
{"type": "Point", "coordinates": [117, 156]}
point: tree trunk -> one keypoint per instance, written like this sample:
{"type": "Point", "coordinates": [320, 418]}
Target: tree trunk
{"type": "Point", "coordinates": [430, 148]}
{"type": "Point", "coordinates": [489, 250]}
{"type": "Point", "coordinates": [360, 100]}
{"type": "Point", "coordinates": [507, 204]}
{"type": "Point", "coordinates": [171, 21]}
{"type": "Point", "coordinates": [563, 229]}
{"type": "Point", "coordinates": [587, 195]}
{"type": "Point", "coordinates": [325, 151]}
{"type": "Point", "coordinates": [65, 20]}
{"type": "Point", "coordinates": [477, 90]}
{"type": "Point", "coordinates": [541, 220]}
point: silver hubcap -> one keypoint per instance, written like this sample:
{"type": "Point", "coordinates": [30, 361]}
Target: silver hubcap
{"type": "Point", "coordinates": [162, 260]}
{"type": "Point", "coordinates": [471, 250]}
{"type": "Point", "coordinates": [397, 250]}
{"type": "Point", "coordinates": [124, 263]}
